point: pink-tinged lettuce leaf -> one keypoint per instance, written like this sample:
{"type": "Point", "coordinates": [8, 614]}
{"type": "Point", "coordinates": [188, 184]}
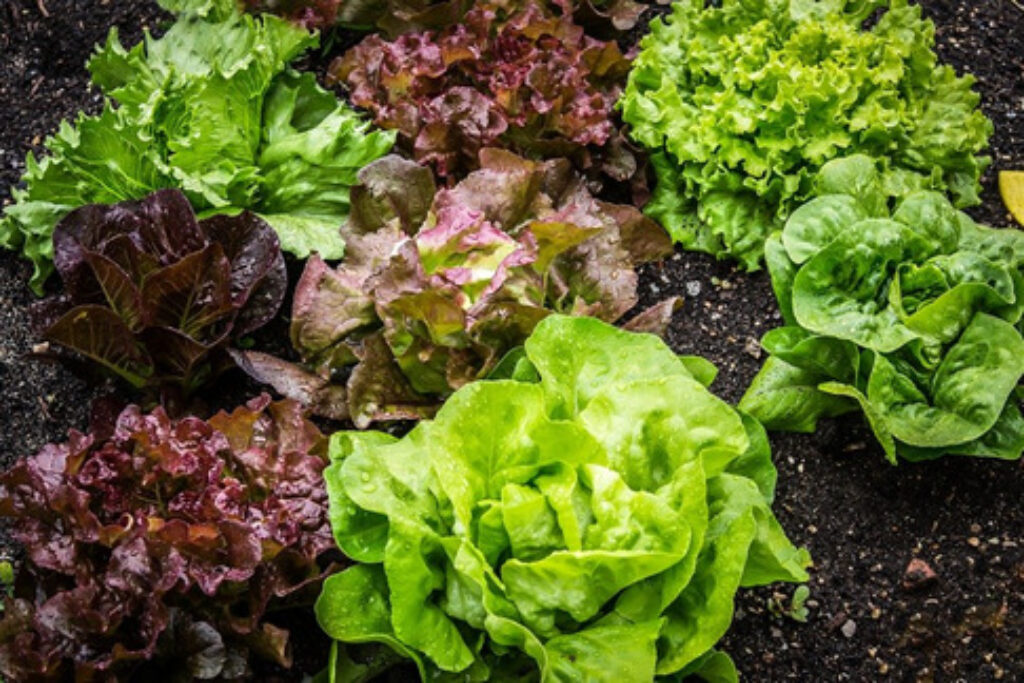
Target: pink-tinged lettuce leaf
{"type": "Point", "coordinates": [435, 292]}
{"type": "Point", "coordinates": [394, 17]}
{"type": "Point", "coordinates": [620, 15]}
{"type": "Point", "coordinates": [164, 543]}
{"type": "Point", "coordinates": [153, 295]}
{"type": "Point", "coordinates": [656, 319]}
{"type": "Point", "coordinates": [521, 76]}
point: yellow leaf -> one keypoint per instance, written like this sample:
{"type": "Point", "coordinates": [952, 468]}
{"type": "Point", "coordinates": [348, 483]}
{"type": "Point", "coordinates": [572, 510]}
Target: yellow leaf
{"type": "Point", "coordinates": [1011, 187]}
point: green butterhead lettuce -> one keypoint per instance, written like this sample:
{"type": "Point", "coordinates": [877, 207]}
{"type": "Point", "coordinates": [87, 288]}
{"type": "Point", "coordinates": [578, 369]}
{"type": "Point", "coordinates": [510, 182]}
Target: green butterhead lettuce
{"type": "Point", "coordinates": [743, 101]}
{"type": "Point", "coordinates": [210, 108]}
{"type": "Point", "coordinates": [913, 316]}
{"type": "Point", "coordinates": [591, 522]}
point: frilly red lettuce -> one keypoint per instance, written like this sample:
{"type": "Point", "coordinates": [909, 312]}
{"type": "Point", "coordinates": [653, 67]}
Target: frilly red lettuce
{"type": "Point", "coordinates": [153, 539]}
{"type": "Point", "coordinates": [523, 77]}
{"type": "Point", "coordinates": [438, 285]}
{"type": "Point", "coordinates": [394, 17]}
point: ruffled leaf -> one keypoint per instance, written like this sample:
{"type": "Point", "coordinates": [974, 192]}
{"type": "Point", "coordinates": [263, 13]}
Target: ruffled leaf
{"type": "Point", "coordinates": [437, 288]}
{"type": "Point", "coordinates": [743, 103]}
{"type": "Point", "coordinates": [481, 532]}
{"type": "Point", "coordinates": [158, 550]}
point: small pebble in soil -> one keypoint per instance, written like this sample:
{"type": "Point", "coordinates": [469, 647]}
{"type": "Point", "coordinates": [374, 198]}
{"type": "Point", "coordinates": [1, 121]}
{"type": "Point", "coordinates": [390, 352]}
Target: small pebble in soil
{"type": "Point", "coordinates": [849, 628]}
{"type": "Point", "coordinates": [919, 574]}
{"type": "Point", "coordinates": [752, 347]}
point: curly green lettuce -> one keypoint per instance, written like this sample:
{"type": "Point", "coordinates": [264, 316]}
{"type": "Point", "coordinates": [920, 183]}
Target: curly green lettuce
{"type": "Point", "coordinates": [744, 101]}
{"type": "Point", "coordinates": [913, 315]}
{"type": "Point", "coordinates": [210, 108]}
{"type": "Point", "coordinates": [590, 521]}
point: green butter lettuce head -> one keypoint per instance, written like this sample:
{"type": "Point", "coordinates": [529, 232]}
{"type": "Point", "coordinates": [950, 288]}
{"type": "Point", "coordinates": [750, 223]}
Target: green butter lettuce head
{"type": "Point", "coordinates": [591, 522]}
{"type": "Point", "coordinates": [210, 108]}
{"type": "Point", "coordinates": [913, 315]}
{"type": "Point", "coordinates": [744, 101]}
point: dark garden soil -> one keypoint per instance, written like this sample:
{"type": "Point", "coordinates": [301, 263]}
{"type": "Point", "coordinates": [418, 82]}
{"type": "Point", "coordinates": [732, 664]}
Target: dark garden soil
{"type": "Point", "coordinates": [863, 520]}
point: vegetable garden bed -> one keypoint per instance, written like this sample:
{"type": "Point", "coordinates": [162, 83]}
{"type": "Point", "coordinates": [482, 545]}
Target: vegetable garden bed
{"type": "Point", "coordinates": [873, 612]}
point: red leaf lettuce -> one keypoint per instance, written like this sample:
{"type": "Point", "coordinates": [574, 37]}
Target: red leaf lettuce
{"type": "Point", "coordinates": [438, 285]}
{"type": "Point", "coordinates": [526, 79]}
{"type": "Point", "coordinates": [164, 541]}
{"type": "Point", "coordinates": [394, 17]}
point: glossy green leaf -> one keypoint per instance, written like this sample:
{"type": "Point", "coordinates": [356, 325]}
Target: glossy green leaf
{"type": "Point", "coordinates": [592, 517]}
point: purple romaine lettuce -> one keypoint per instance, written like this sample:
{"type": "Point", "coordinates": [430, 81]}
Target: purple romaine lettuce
{"type": "Point", "coordinates": [164, 542]}
{"type": "Point", "coordinates": [438, 285]}
{"type": "Point", "coordinates": [153, 295]}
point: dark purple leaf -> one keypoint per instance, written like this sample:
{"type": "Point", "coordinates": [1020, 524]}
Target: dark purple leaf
{"type": "Point", "coordinates": [102, 336]}
{"type": "Point", "coordinates": [294, 382]}
{"type": "Point", "coordinates": [153, 295]}
{"type": "Point", "coordinates": [189, 294]}
{"type": "Point", "coordinates": [121, 294]}
{"type": "Point", "coordinates": [258, 275]}
{"type": "Point", "coordinates": [166, 225]}
{"type": "Point", "coordinates": [180, 358]}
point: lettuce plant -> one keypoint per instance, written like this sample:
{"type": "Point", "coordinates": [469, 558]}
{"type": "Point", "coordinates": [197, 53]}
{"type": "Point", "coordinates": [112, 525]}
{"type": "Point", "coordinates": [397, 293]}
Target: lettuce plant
{"type": "Point", "coordinates": [212, 109]}
{"type": "Point", "coordinates": [606, 16]}
{"type": "Point", "coordinates": [589, 521]}
{"type": "Point", "coordinates": [310, 14]}
{"type": "Point", "coordinates": [744, 100]}
{"type": "Point", "coordinates": [160, 546]}
{"type": "Point", "coordinates": [524, 79]}
{"type": "Point", "coordinates": [393, 17]}
{"type": "Point", "coordinates": [153, 296]}
{"type": "Point", "coordinates": [914, 315]}
{"type": "Point", "coordinates": [438, 285]}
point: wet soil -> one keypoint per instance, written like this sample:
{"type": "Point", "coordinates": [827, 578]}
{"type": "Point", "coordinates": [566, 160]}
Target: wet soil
{"type": "Point", "coordinates": [863, 520]}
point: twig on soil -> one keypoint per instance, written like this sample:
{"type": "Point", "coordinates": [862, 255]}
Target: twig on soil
{"type": "Point", "coordinates": [42, 8]}
{"type": "Point", "coordinates": [44, 408]}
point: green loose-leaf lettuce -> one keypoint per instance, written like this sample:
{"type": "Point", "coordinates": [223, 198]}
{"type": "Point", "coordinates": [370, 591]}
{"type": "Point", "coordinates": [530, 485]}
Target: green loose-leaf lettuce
{"type": "Point", "coordinates": [210, 108]}
{"type": "Point", "coordinates": [914, 316]}
{"type": "Point", "coordinates": [744, 101]}
{"type": "Point", "coordinates": [593, 522]}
